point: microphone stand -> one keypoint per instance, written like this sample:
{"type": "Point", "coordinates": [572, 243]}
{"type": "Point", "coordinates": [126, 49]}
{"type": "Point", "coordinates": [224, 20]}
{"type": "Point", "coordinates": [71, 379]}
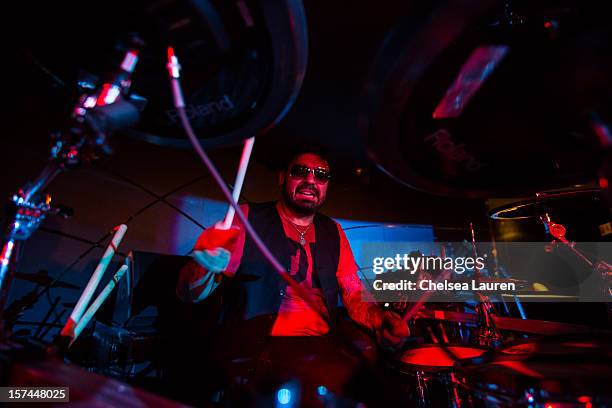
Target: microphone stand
{"type": "Point", "coordinates": [94, 116]}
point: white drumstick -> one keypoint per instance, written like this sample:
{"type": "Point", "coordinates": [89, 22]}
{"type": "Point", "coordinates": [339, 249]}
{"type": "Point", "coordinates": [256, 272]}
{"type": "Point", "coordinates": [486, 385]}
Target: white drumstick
{"type": "Point", "coordinates": [91, 310]}
{"type": "Point", "coordinates": [94, 281]}
{"type": "Point", "coordinates": [242, 168]}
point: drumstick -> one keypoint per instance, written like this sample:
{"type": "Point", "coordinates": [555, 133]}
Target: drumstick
{"type": "Point", "coordinates": [242, 168]}
{"type": "Point", "coordinates": [94, 281]}
{"type": "Point", "coordinates": [414, 309]}
{"type": "Point", "coordinates": [98, 302]}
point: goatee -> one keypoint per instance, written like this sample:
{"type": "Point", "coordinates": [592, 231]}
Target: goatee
{"type": "Point", "coordinates": [297, 207]}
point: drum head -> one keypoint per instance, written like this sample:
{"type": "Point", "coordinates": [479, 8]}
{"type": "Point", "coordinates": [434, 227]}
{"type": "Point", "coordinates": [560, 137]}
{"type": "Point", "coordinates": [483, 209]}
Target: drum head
{"type": "Point", "coordinates": [432, 357]}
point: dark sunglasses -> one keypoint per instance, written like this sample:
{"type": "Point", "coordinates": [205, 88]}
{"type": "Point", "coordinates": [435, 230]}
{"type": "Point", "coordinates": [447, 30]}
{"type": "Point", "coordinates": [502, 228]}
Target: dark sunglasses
{"type": "Point", "coordinates": [320, 174]}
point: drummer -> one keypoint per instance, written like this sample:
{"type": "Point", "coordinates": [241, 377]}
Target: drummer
{"type": "Point", "coordinates": [269, 324]}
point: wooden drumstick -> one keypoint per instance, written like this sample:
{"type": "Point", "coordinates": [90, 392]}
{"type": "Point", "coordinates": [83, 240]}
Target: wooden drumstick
{"type": "Point", "coordinates": [95, 305]}
{"type": "Point", "coordinates": [242, 168]}
{"type": "Point", "coordinates": [94, 281]}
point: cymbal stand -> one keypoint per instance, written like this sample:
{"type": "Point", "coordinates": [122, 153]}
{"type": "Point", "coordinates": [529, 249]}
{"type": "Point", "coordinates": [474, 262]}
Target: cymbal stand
{"type": "Point", "coordinates": [558, 231]}
{"type": "Point", "coordinates": [487, 333]}
{"type": "Point", "coordinates": [94, 117]}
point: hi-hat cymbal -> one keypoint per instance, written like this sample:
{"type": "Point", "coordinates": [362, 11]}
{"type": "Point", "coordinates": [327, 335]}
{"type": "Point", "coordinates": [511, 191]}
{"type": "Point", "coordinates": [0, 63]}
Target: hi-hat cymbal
{"type": "Point", "coordinates": [546, 202]}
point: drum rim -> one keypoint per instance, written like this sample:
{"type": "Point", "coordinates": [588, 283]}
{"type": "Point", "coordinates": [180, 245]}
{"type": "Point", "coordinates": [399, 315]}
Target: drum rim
{"type": "Point", "coordinates": [409, 368]}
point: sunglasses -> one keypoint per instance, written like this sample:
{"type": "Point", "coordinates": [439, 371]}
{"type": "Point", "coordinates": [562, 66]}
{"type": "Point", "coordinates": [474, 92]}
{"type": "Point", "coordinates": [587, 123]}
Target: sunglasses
{"type": "Point", "coordinates": [321, 175]}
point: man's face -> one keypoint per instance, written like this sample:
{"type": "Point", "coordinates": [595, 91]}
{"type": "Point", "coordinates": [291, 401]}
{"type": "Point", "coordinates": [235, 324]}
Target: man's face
{"type": "Point", "coordinates": [303, 191]}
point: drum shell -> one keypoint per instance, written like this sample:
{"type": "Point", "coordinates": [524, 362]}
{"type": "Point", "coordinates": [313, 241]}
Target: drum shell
{"type": "Point", "coordinates": [433, 384]}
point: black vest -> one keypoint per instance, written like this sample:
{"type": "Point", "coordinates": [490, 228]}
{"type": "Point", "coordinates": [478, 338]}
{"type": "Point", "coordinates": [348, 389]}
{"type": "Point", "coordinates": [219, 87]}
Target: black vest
{"type": "Point", "coordinates": [257, 289]}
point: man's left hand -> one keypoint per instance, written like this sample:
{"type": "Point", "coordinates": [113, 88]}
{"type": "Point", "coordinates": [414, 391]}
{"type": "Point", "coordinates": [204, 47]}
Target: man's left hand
{"type": "Point", "coordinates": [393, 330]}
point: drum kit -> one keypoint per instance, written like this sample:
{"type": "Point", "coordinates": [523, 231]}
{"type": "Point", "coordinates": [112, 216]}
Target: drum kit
{"type": "Point", "coordinates": [244, 65]}
{"type": "Point", "coordinates": [474, 356]}
{"type": "Point", "coordinates": [563, 370]}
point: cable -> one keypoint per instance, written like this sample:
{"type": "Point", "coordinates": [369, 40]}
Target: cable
{"type": "Point", "coordinates": [97, 244]}
{"type": "Point", "coordinates": [162, 198]}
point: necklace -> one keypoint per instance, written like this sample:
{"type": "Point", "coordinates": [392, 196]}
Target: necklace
{"type": "Point", "coordinates": [302, 233]}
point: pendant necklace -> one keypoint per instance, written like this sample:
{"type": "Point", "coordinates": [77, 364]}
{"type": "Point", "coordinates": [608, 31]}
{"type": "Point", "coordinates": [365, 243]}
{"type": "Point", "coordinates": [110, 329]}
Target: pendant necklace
{"type": "Point", "coordinates": [302, 233]}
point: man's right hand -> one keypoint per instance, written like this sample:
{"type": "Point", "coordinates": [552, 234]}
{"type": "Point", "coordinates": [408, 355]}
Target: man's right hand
{"type": "Point", "coordinates": [214, 248]}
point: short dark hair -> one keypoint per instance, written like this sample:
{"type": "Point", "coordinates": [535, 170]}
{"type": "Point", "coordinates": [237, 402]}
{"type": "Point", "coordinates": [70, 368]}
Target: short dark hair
{"type": "Point", "coordinates": [307, 149]}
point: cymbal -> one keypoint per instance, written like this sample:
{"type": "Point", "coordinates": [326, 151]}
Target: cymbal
{"type": "Point", "coordinates": [423, 128]}
{"type": "Point", "coordinates": [240, 78]}
{"type": "Point", "coordinates": [42, 278]}
{"type": "Point", "coordinates": [536, 207]}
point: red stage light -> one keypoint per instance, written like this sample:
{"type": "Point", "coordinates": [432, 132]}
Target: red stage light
{"type": "Point", "coordinates": [603, 182]}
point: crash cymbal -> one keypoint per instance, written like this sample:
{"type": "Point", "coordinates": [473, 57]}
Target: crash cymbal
{"type": "Point", "coordinates": [497, 105]}
{"type": "Point", "coordinates": [242, 67]}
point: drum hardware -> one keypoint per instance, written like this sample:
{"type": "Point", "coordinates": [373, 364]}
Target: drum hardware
{"type": "Point", "coordinates": [430, 366]}
{"type": "Point", "coordinates": [30, 363]}
{"type": "Point", "coordinates": [558, 231]}
{"type": "Point", "coordinates": [14, 311]}
{"type": "Point", "coordinates": [115, 351]}
{"type": "Point", "coordinates": [487, 333]}
{"type": "Point", "coordinates": [429, 371]}
{"type": "Point", "coordinates": [94, 117]}
{"type": "Point", "coordinates": [42, 278]}
{"type": "Point", "coordinates": [554, 218]}
{"type": "Point", "coordinates": [47, 316]}
{"type": "Point", "coordinates": [54, 323]}
{"type": "Point", "coordinates": [572, 371]}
